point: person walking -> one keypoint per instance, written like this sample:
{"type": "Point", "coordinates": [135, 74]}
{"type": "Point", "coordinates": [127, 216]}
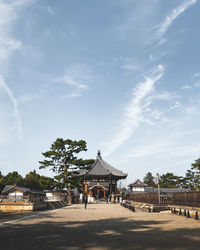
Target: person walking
{"type": "Point", "coordinates": [86, 202]}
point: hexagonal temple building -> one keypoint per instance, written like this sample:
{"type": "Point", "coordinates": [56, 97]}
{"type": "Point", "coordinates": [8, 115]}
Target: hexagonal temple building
{"type": "Point", "coordinates": [100, 180]}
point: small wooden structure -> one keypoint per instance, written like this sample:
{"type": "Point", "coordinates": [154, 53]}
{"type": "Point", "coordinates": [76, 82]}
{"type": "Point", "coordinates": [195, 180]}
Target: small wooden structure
{"type": "Point", "coordinates": [14, 193]}
{"type": "Point", "coordinates": [56, 195]}
{"type": "Point", "coordinates": [16, 198]}
{"type": "Point", "coordinates": [137, 186]}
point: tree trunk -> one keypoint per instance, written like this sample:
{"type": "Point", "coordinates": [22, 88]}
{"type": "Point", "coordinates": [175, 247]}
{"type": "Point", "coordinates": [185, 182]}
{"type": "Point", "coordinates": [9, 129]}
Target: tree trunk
{"type": "Point", "coordinates": [69, 196]}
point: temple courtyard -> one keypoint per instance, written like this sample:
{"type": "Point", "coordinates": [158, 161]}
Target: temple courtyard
{"type": "Point", "coordinates": [100, 226]}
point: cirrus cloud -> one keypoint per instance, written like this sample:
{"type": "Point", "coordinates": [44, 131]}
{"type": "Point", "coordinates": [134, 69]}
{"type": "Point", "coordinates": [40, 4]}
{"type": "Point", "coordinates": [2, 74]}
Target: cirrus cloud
{"type": "Point", "coordinates": [133, 115]}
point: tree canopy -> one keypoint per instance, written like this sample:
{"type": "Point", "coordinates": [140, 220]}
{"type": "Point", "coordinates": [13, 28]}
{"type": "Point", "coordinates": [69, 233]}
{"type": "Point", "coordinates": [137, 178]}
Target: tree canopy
{"type": "Point", "coordinates": [35, 181]}
{"type": "Point", "coordinates": [192, 178]}
{"type": "Point", "coordinates": [169, 180]}
{"type": "Point", "coordinates": [62, 158]}
{"type": "Point", "coordinates": [32, 180]}
{"type": "Point", "coordinates": [149, 180]}
{"type": "Point", "coordinates": [13, 178]}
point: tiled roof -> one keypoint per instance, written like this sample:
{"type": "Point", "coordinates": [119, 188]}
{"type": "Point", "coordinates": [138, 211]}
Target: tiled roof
{"type": "Point", "coordinates": [9, 188]}
{"type": "Point", "coordinates": [102, 168]}
{"type": "Point", "coordinates": [137, 183]}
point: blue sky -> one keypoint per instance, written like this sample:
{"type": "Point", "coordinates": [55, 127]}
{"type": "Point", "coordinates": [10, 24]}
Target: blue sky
{"type": "Point", "coordinates": [124, 75]}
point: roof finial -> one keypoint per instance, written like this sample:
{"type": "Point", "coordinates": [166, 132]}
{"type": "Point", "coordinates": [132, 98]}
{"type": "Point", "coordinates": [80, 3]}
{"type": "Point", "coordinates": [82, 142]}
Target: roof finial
{"type": "Point", "coordinates": [99, 154]}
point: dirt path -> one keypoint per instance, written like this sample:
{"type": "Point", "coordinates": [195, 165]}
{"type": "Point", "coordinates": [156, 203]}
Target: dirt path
{"type": "Point", "coordinates": [101, 226]}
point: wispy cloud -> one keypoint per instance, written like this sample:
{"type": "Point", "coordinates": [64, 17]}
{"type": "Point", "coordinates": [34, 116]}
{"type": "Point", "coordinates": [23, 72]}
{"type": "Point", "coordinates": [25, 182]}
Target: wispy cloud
{"type": "Point", "coordinates": [127, 63]}
{"type": "Point", "coordinates": [9, 11]}
{"type": "Point", "coordinates": [18, 126]}
{"type": "Point", "coordinates": [164, 26]}
{"type": "Point", "coordinates": [197, 84]}
{"type": "Point", "coordinates": [72, 95]}
{"type": "Point", "coordinates": [133, 115]}
{"type": "Point", "coordinates": [196, 74]}
{"type": "Point", "coordinates": [186, 87]}
{"type": "Point", "coordinates": [162, 149]}
{"type": "Point", "coordinates": [28, 98]}
{"type": "Point", "coordinates": [128, 66]}
{"type": "Point", "coordinates": [77, 77]}
{"type": "Point", "coordinates": [175, 106]}
{"type": "Point", "coordinates": [50, 10]}
{"type": "Point", "coordinates": [46, 8]}
{"type": "Point", "coordinates": [165, 96]}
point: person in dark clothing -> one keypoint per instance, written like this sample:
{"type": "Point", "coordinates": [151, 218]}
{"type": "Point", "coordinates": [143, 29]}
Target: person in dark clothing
{"type": "Point", "coordinates": [85, 202]}
{"type": "Point", "coordinates": [106, 199]}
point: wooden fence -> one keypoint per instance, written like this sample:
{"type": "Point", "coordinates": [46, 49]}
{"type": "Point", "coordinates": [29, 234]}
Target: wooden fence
{"type": "Point", "coordinates": [185, 199]}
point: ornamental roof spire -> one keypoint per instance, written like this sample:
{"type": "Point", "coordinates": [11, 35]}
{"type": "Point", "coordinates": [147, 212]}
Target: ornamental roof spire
{"type": "Point", "coordinates": [99, 154]}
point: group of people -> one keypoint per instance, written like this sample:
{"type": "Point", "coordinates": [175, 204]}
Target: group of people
{"type": "Point", "coordinates": [111, 198]}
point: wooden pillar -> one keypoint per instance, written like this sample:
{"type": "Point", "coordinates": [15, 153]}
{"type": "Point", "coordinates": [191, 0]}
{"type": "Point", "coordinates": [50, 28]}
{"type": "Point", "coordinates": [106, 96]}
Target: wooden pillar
{"type": "Point", "coordinates": [69, 197]}
{"type": "Point", "coordinates": [85, 187]}
{"type": "Point", "coordinates": [115, 188]}
{"type": "Point", "coordinates": [111, 188]}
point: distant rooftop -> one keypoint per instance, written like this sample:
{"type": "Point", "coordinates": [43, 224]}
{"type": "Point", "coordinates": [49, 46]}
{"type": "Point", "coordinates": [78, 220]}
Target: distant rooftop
{"type": "Point", "coordinates": [137, 183]}
{"type": "Point", "coordinates": [9, 188]}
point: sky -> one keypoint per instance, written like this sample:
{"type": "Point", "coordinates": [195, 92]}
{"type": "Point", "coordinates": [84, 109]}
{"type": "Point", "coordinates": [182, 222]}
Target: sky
{"type": "Point", "coordinates": [123, 75]}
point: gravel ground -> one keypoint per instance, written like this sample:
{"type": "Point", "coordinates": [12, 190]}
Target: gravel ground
{"type": "Point", "coordinates": [101, 226]}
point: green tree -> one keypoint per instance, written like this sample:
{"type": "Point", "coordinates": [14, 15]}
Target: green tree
{"type": "Point", "coordinates": [192, 177]}
{"type": "Point", "coordinates": [169, 180]}
{"type": "Point", "coordinates": [47, 183]}
{"type": "Point", "coordinates": [191, 181]}
{"type": "Point", "coordinates": [196, 165]}
{"type": "Point", "coordinates": [32, 180]}
{"type": "Point", "coordinates": [13, 178]}
{"type": "Point", "coordinates": [1, 182]}
{"type": "Point", "coordinates": [62, 158]}
{"type": "Point", "coordinates": [149, 180]}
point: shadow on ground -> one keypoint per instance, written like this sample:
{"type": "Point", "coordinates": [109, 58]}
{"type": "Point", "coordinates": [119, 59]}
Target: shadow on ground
{"type": "Point", "coordinates": [117, 233]}
{"type": "Point", "coordinates": [15, 215]}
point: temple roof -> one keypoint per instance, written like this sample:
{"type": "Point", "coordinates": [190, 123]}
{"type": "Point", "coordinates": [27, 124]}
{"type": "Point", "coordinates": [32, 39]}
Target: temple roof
{"type": "Point", "coordinates": [102, 168]}
{"type": "Point", "coordinates": [137, 183]}
{"type": "Point", "coordinates": [9, 188]}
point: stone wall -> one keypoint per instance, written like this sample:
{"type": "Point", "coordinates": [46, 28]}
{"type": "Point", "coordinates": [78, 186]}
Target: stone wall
{"type": "Point", "coordinates": [22, 206]}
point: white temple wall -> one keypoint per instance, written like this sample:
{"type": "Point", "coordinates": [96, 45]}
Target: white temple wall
{"type": "Point", "coordinates": [138, 189]}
